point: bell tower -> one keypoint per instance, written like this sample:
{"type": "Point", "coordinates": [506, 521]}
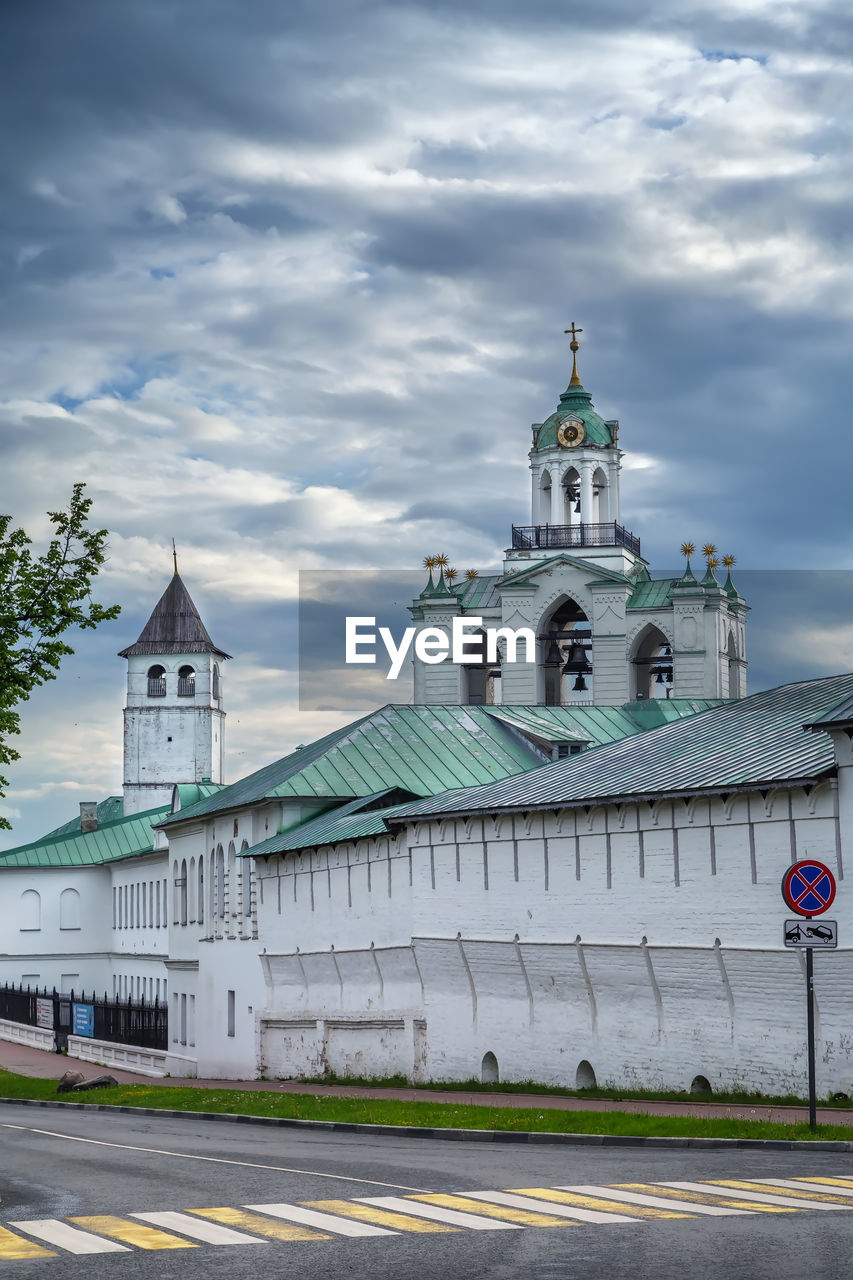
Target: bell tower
{"type": "Point", "coordinates": [173, 716]}
{"type": "Point", "coordinates": [607, 633]}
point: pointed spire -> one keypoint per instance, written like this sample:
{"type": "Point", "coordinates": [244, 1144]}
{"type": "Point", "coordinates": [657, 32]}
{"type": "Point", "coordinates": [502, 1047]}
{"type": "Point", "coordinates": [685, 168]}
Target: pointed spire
{"type": "Point", "coordinates": [573, 347]}
{"type": "Point", "coordinates": [710, 578]}
{"type": "Point", "coordinates": [175, 556]}
{"type": "Point", "coordinates": [728, 586]}
{"type": "Point", "coordinates": [688, 577]}
{"type": "Point", "coordinates": [175, 626]}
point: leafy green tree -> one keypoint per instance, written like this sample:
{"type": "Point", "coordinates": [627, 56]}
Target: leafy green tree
{"type": "Point", "coordinates": [41, 597]}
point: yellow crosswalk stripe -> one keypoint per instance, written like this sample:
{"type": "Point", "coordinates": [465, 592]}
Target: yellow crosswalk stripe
{"type": "Point", "coordinates": [747, 1198]}
{"type": "Point", "coordinates": [260, 1225]}
{"type": "Point", "coordinates": [465, 1203]}
{"type": "Point", "coordinates": [583, 1200]}
{"type": "Point", "coordinates": [12, 1246]}
{"type": "Point", "coordinates": [381, 1217]}
{"type": "Point", "coordinates": [783, 1195]}
{"type": "Point", "coordinates": [128, 1232]}
{"type": "Point", "coordinates": [804, 1188]}
{"type": "Point", "coordinates": [847, 1183]}
{"type": "Point", "coordinates": [701, 1197]}
{"type": "Point", "coordinates": [520, 1200]}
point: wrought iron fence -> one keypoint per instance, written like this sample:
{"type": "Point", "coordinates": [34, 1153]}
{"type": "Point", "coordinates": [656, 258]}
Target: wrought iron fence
{"type": "Point", "coordinates": [137, 1022]}
{"type": "Point", "coordinates": [535, 536]}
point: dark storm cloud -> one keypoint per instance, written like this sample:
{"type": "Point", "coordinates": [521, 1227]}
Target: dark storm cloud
{"type": "Point", "coordinates": [288, 282]}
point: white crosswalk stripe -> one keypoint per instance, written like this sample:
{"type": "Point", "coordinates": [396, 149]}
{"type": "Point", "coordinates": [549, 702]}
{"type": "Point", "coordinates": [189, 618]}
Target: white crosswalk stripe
{"type": "Point", "coordinates": [71, 1239]}
{"type": "Point", "coordinates": [656, 1202]}
{"type": "Point", "coordinates": [323, 1221]}
{"type": "Point", "coordinates": [197, 1228]}
{"type": "Point", "coordinates": [454, 1217]}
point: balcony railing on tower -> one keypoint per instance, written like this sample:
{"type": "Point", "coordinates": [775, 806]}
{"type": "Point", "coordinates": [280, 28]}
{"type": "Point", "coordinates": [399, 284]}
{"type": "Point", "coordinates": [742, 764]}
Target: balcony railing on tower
{"type": "Point", "coordinates": [554, 536]}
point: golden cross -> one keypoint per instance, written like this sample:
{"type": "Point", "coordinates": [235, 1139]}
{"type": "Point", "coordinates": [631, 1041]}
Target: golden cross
{"type": "Point", "coordinates": [573, 346]}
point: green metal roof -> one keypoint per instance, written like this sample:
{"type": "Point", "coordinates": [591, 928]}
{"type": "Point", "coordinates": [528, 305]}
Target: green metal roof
{"type": "Point", "coordinates": [751, 741]}
{"type": "Point", "coordinates": [577, 403]}
{"type": "Point", "coordinates": [348, 822]}
{"type": "Point", "coordinates": [841, 713]}
{"type": "Point", "coordinates": [480, 592]}
{"type": "Point", "coordinates": [422, 749]}
{"type": "Point", "coordinates": [108, 811]}
{"type": "Point", "coordinates": [653, 593]}
{"type": "Point", "coordinates": [597, 725]}
{"type": "Point", "coordinates": [110, 841]}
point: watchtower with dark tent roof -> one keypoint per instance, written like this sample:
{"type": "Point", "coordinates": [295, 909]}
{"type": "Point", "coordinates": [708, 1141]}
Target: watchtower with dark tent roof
{"type": "Point", "coordinates": [173, 718]}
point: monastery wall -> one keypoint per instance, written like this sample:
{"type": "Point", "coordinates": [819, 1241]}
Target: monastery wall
{"type": "Point", "coordinates": [641, 942]}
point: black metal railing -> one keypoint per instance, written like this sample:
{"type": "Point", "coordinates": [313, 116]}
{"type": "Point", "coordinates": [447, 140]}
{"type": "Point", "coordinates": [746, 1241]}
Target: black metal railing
{"type": "Point", "coordinates": [554, 536]}
{"type": "Point", "coordinates": [135, 1022]}
{"type": "Point", "coordinates": [156, 687]}
{"type": "Point", "coordinates": [186, 688]}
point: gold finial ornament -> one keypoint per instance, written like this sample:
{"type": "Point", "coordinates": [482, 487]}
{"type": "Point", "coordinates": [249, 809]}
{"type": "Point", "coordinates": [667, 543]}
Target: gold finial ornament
{"type": "Point", "coordinates": [174, 556]}
{"type": "Point", "coordinates": [429, 562]}
{"type": "Point", "coordinates": [728, 561]}
{"type": "Point", "coordinates": [450, 574]}
{"type": "Point", "coordinates": [440, 561]}
{"type": "Point", "coordinates": [709, 550]}
{"type": "Point", "coordinates": [470, 573]}
{"type": "Point", "coordinates": [574, 381]}
{"type": "Point", "coordinates": [687, 549]}
{"type": "Point", "coordinates": [712, 563]}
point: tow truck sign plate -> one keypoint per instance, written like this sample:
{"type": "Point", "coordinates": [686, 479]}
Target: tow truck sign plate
{"type": "Point", "coordinates": [820, 934]}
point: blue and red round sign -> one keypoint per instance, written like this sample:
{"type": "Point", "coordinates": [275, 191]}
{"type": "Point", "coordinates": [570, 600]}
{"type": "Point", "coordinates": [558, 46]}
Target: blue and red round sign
{"type": "Point", "coordinates": [808, 887]}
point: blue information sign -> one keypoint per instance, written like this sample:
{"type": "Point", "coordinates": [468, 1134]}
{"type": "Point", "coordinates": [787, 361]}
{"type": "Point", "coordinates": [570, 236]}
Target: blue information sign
{"type": "Point", "coordinates": [83, 1020]}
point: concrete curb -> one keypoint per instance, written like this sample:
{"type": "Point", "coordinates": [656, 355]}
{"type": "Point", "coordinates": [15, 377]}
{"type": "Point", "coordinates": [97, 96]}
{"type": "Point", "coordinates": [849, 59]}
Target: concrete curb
{"type": "Point", "coordinates": [450, 1135]}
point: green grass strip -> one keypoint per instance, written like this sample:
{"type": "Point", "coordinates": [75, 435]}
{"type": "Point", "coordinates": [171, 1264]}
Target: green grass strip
{"type": "Point", "coordinates": [426, 1114]}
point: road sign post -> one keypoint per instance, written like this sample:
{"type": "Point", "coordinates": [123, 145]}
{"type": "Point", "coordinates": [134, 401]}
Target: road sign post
{"type": "Point", "coordinates": [808, 888]}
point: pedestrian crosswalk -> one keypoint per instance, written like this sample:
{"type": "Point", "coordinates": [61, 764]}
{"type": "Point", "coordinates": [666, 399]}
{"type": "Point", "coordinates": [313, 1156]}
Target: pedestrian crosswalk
{"type": "Point", "coordinates": [424, 1213]}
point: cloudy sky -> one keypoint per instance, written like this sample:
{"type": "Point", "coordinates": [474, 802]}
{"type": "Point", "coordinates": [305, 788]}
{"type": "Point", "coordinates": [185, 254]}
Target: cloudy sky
{"type": "Point", "coordinates": [288, 281]}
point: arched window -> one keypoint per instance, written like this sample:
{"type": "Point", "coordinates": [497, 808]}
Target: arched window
{"type": "Point", "coordinates": [585, 1076]}
{"type": "Point", "coordinates": [30, 909]}
{"type": "Point", "coordinates": [69, 909]}
{"type": "Point", "coordinates": [231, 874]}
{"type": "Point", "coordinates": [489, 1070]}
{"type": "Point", "coordinates": [191, 895]}
{"type": "Point", "coordinates": [246, 876]}
{"type": "Point", "coordinates": [186, 682]}
{"type": "Point", "coordinates": [156, 682]}
{"type": "Point", "coordinates": [481, 677]}
{"type": "Point", "coordinates": [200, 893]}
{"type": "Point", "coordinates": [182, 887]}
{"type": "Point", "coordinates": [176, 893]}
{"type": "Point", "coordinates": [214, 686]}
{"type": "Point", "coordinates": [735, 690]}
{"type": "Point", "coordinates": [220, 882]}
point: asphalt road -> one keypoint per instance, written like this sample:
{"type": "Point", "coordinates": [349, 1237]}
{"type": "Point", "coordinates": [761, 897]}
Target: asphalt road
{"type": "Point", "coordinates": [125, 1166]}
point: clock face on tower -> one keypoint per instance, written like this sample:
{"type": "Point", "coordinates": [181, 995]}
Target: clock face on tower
{"type": "Point", "coordinates": [570, 432]}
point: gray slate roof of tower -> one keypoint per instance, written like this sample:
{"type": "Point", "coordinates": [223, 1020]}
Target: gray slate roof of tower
{"type": "Point", "coordinates": [174, 626]}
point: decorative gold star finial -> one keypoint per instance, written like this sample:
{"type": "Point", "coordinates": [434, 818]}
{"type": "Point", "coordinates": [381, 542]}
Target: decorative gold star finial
{"type": "Point", "coordinates": [573, 347]}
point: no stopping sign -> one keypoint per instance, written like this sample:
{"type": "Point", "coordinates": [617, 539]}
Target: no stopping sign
{"type": "Point", "coordinates": [808, 887]}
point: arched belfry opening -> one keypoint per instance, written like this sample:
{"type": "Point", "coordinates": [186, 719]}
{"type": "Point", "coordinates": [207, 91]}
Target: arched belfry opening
{"type": "Point", "coordinates": [481, 677]}
{"type": "Point", "coordinates": [600, 497]}
{"type": "Point", "coordinates": [545, 497]}
{"type": "Point", "coordinates": [565, 648]}
{"type": "Point", "coordinates": [571, 485]}
{"type": "Point", "coordinates": [652, 664]}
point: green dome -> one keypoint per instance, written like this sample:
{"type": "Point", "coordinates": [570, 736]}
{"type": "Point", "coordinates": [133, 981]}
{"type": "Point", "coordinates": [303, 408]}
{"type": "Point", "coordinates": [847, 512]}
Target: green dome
{"type": "Point", "coordinates": [575, 403]}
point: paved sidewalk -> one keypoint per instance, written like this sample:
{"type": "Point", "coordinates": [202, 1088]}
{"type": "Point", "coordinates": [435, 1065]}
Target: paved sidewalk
{"type": "Point", "coordinates": [29, 1061]}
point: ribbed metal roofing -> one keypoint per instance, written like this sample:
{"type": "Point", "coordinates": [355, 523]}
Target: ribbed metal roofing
{"type": "Point", "coordinates": [841, 713]}
{"type": "Point", "coordinates": [745, 742]}
{"type": "Point", "coordinates": [653, 593]}
{"type": "Point", "coordinates": [480, 592]}
{"type": "Point", "coordinates": [347, 822]}
{"type": "Point", "coordinates": [111, 841]}
{"type": "Point", "coordinates": [174, 627]}
{"type": "Point", "coordinates": [423, 750]}
{"type": "Point", "coordinates": [597, 725]}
